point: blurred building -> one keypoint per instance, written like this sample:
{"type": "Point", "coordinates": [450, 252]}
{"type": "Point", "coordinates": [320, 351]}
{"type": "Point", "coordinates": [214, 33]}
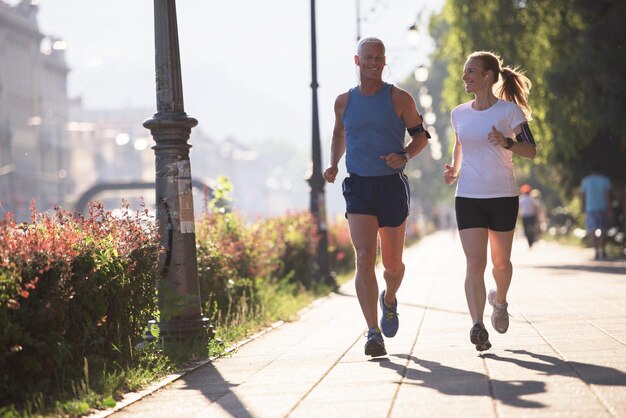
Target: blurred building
{"type": "Point", "coordinates": [33, 113]}
{"type": "Point", "coordinates": [110, 146]}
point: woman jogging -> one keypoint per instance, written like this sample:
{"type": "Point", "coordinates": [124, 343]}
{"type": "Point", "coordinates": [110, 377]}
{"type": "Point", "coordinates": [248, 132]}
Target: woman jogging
{"type": "Point", "coordinates": [489, 129]}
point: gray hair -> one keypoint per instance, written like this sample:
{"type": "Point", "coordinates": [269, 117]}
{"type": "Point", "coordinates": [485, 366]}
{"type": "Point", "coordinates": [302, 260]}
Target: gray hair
{"type": "Point", "coordinates": [368, 40]}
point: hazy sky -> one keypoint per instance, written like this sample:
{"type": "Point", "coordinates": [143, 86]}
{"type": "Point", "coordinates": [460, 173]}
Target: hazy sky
{"type": "Point", "coordinates": [246, 63]}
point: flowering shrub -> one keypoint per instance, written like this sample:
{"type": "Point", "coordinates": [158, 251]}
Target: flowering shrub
{"type": "Point", "coordinates": [234, 258]}
{"type": "Point", "coordinates": [340, 250]}
{"type": "Point", "coordinates": [286, 245]}
{"type": "Point", "coordinates": [225, 263]}
{"type": "Point", "coordinates": [71, 289]}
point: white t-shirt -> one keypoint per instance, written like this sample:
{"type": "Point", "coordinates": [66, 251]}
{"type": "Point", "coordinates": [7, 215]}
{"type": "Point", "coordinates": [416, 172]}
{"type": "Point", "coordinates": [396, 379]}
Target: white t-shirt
{"type": "Point", "coordinates": [486, 169]}
{"type": "Point", "coordinates": [527, 205]}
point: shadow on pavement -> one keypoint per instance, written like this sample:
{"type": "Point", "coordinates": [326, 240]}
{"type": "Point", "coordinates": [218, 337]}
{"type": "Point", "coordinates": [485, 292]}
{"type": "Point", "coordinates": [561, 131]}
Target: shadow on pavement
{"type": "Point", "coordinates": [214, 388]}
{"type": "Point", "coordinates": [605, 267]}
{"type": "Point", "coordinates": [458, 382]}
{"type": "Point", "coordinates": [590, 373]}
{"type": "Point", "coordinates": [413, 305]}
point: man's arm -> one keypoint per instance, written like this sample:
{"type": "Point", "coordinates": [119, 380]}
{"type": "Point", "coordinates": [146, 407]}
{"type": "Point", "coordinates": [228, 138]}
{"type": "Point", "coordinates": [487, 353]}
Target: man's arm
{"type": "Point", "coordinates": [407, 111]}
{"type": "Point", "coordinates": [338, 141]}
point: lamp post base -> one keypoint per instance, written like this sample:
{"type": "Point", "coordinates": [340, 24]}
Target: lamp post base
{"type": "Point", "coordinates": [183, 329]}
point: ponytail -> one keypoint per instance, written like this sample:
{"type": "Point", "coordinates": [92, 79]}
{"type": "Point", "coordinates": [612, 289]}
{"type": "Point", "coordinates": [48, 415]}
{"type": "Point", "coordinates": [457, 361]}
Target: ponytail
{"type": "Point", "coordinates": [515, 87]}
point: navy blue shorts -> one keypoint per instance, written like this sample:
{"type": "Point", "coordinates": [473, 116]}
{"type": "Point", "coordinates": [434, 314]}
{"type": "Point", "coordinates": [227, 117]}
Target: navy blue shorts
{"type": "Point", "coordinates": [497, 214]}
{"type": "Point", "coordinates": [385, 197]}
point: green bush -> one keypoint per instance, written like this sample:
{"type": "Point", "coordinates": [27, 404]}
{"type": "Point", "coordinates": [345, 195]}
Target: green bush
{"type": "Point", "coordinates": [73, 291]}
{"type": "Point", "coordinates": [235, 258]}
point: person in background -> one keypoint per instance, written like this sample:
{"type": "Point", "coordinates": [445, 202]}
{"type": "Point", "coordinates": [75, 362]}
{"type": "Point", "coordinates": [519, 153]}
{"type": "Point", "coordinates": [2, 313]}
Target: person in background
{"type": "Point", "coordinates": [596, 201]}
{"type": "Point", "coordinates": [542, 212]}
{"type": "Point", "coordinates": [489, 129]}
{"type": "Point", "coordinates": [370, 124]}
{"type": "Point", "coordinates": [529, 212]}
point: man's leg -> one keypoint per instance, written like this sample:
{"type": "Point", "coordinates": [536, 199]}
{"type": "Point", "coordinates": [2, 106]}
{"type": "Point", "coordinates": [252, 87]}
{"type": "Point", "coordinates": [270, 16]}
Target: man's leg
{"type": "Point", "coordinates": [391, 248]}
{"type": "Point", "coordinates": [604, 224]}
{"type": "Point", "coordinates": [392, 245]}
{"type": "Point", "coordinates": [364, 235]}
{"type": "Point", "coordinates": [593, 229]}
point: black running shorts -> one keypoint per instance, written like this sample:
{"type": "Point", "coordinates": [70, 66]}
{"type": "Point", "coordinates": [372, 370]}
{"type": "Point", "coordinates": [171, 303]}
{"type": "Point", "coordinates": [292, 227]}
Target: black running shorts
{"type": "Point", "coordinates": [497, 214]}
{"type": "Point", "coordinates": [386, 197]}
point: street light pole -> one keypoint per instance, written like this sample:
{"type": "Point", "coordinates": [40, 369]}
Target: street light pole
{"type": "Point", "coordinates": [316, 180]}
{"type": "Point", "coordinates": [358, 20]}
{"type": "Point", "coordinates": [179, 289]}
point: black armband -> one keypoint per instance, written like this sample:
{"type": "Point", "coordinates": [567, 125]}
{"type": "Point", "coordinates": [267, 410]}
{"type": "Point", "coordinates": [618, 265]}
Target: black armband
{"type": "Point", "coordinates": [525, 135]}
{"type": "Point", "coordinates": [418, 129]}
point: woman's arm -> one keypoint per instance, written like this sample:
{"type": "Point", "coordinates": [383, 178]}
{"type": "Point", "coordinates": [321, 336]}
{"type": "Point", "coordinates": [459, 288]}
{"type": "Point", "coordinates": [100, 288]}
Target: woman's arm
{"type": "Point", "coordinates": [451, 172]}
{"type": "Point", "coordinates": [523, 144]}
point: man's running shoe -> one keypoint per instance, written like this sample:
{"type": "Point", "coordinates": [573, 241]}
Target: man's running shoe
{"type": "Point", "coordinates": [389, 322]}
{"type": "Point", "coordinates": [480, 337]}
{"type": "Point", "coordinates": [375, 346]}
{"type": "Point", "coordinates": [500, 315]}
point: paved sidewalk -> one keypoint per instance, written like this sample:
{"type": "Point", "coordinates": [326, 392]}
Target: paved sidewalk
{"type": "Point", "coordinates": [563, 356]}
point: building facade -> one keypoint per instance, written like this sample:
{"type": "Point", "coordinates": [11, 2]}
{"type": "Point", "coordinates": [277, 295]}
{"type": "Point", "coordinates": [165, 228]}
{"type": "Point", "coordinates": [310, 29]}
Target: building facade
{"type": "Point", "coordinates": [34, 151]}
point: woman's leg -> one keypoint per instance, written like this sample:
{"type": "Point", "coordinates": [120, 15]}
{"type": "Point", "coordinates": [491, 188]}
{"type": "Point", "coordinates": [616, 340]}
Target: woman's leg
{"type": "Point", "coordinates": [364, 235]}
{"type": "Point", "coordinates": [501, 244]}
{"type": "Point", "coordinates": [474, 241]}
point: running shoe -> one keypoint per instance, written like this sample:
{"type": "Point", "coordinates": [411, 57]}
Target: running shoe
{"type": "Point", "coordinates": [375, 345]}
{"type": "Point", "coordinates": [500, 314]}
{"type": "Point", "coordinates": [389, 322]}
{"type": "Point", "coordinates": [480, 337]}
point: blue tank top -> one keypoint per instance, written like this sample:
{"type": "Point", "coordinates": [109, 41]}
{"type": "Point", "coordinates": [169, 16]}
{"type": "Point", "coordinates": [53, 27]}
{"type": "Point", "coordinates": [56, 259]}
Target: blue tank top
{"type": "Point", "coordinates": [372, 129]}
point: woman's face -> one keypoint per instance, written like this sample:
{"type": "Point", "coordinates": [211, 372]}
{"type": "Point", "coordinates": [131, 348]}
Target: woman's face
{"type": "Point", "coordinates": [371, 60]}
{"type": "Point", "coordinates": [475, 77]}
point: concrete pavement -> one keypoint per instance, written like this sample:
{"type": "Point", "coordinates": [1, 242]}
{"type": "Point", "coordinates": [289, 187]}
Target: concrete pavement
{"type": "Point", "coordinates": [564, 354]}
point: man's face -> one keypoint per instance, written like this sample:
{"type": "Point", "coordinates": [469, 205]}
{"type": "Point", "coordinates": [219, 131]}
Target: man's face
{"type": "Point", "coordinates": [371, 60]}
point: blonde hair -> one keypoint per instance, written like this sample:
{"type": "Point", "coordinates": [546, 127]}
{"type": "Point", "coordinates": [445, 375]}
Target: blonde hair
{"type": "Point", "coordinates": [515, 86]}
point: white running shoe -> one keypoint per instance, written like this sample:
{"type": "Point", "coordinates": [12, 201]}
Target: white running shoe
{"type": "Point", "coordinates": [500, 315]}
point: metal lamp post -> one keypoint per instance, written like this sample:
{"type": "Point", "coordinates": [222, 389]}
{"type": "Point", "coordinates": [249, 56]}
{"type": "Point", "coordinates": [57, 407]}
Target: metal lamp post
{"type": "Point", "coordinates": [358, 20]}
{"type": "Point", "coordinates": [179, 290]}
{"type": "Point", "coordinates": [316, 180]}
